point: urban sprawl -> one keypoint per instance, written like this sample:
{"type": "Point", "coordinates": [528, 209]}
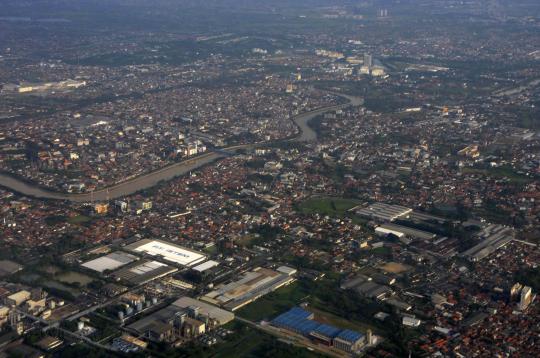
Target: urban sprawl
{"type": "Point", "coordinates": [270, 179]}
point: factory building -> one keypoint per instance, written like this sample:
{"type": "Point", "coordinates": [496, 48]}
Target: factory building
{"type": "Point", "coordinates": [349, 341]}
{"type": "Point", "coordinates": [403, 231]}
{"type": "Point", "coordinates": [249, 287]}
{"type": "Point", "coordinates": [219, 315]}
{"type": "Point", "coordinates": [111, 261]}
{"type": "Point", "coordinates": [142, 272]}
{"type": "Point", "coordinates": [384, 212]}
{"type": "Point", "coordinates": [186, 318]}
{"type": "Point", "coordinates": [491, 238]}
{"type": "Point", "coordinates": [169, 252]}
{"type": "Point", "coordinates": [302, 322]}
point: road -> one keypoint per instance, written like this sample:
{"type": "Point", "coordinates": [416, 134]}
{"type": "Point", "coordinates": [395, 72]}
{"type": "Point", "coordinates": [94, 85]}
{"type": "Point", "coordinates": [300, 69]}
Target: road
{"type": "Point", "coordinates": [305, 134]}
{"type": "Point", "coordinates": [56, 325]}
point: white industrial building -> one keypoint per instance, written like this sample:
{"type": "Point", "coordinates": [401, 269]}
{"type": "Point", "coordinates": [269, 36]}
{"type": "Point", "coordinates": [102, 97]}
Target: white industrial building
{"type": "Point", "coordinates": [384, 212]}
{"type": "Point", "coordinates": [111, 261]}
{"type": "Point", "coordinates": [169, 252]}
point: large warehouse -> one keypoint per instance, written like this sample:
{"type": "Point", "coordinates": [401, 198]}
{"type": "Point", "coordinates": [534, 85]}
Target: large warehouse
{"type": "Point", "coordinates": [173, 253]}
{"type": "Point", "coordinates": [302, 322]}
{"type": "Point", "coordinates": [249, 287]}
{"type": "Point", "coordinates": [205, 309]}
{"type": "Point", "coordinates": [143, 272]}
{"type": "Point", "coordinates": [111, 261]}
{"type": "Point", "coordinates": [401, 231]}
{"type": "Point", "coordinates": [384, 212]}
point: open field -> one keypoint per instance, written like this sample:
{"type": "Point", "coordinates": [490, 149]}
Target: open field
{"type": "Point", "coordinates": [275, 303]}
{"type": "Point", "coordinates": [395, 267]}
{"type": "Point", "coordinates": [500, 173]}
{"type": "Point", "coordinates": [339, 322]}
{"type": "Point", "coordinates": [327, 206]}
{"type": "Point", "coordinates": [79, 219]}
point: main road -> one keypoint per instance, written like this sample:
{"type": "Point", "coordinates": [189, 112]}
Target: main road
{"type": "Point", "coordinates": [145, 181]}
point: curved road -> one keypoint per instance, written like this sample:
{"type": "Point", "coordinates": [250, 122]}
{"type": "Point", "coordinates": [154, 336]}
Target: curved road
{"type": "Point", "coordinates": [149, 180]}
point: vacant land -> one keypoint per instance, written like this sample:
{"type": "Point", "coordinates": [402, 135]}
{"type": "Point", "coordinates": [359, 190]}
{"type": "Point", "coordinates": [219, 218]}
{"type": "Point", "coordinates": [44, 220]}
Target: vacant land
{"type": "Point", "coordinates": [395, 267]}
{"type": "Point", "coordinates": [275, 303]}
{"type": "Point", "coordinates": [500, 173]}
{"type": "Point", "coordinates": [327, 206]}
{"type": "Point", "coordinates": [339, 322]}
{"type": "Point", "coordinates": [79, 219]}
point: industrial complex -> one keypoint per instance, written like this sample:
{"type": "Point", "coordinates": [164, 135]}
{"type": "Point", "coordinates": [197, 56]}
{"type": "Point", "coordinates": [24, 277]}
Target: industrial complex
{"type": "Point", "coordinates": [143, 271]}
{"type": "Point", "coordinates": [109, 262]}
{"type": "Point", "coordinates": [384, 212]}
{"type": "Point", "coordinates": [184, 319]}
{"type": "Point", "coordinates": [302, 322]}
{"type": "Point", "coordinates": [172, 253]}
{"type": "Point", "coordinates": [249, 287]}
{"type": "Point", "coordinates": [491, 238]}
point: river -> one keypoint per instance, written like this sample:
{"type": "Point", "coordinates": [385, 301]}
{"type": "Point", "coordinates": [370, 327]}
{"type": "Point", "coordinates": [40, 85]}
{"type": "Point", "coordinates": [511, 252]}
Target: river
{"type": "Point", "coordinates": [169, 172]}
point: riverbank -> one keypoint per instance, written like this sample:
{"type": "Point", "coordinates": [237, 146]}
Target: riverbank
{"type": "Point", "coordinates": [149, 180]}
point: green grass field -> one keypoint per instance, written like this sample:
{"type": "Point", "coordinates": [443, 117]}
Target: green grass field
{"type": "Point", "coordinates": [245, 342]}
{"type": "Point", "coordinates": [274, 303]}
{"type": "Point", "coordinates": [79, 219]}
{"type": "Point", "coordinates": [243, 346]}
{"type": "Point", "coordinates": [383, 250]}
{"type": "Point", "coordinates": [327, 206]}
{"type": "Point", "coordinates": [340, 322]}
{"type": "Point", "coordinates": [500, 173]}
{"type": "Point", "coordinates": [283, 299]}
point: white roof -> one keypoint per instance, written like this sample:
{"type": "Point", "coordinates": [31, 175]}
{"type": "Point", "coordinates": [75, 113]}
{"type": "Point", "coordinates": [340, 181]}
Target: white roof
{"type": "Point", "coordinates": [146, 267]}
{"type": "Point", "coordinates": [111, 261]}
{"type": "Point", "coordinates": [286, 270]}
{"type": "Point", "coordinates": [383, 230]}
{"type": "Point", "coordinates": [205, 266]}
{"type": "Point", "coordinates": [172, 253]}
{"type": "Point", "coordinates": [410, 321]}
{"type": "Point", "coordinates": [205, 309]}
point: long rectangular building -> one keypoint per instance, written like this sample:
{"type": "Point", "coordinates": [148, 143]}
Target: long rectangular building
{"type": "Point", "coordinates": [143, 272]}
{"type": "Point", "coordinates": [205, 309]}
{"type": "Point", "coordinates": [303, 322]}
{"type": "Point", "coordinates": [400, 231]}
{"type": "Point", "coordinates": [168, 251]}
{"type": "Point", "coordinates": [111, 261]}
{"type": "Point", "coordinates": [384, 212]}
{"type": "Point", "coordinates": [250, 287]}
{"type": "Point", "coordinates": [492, 238]}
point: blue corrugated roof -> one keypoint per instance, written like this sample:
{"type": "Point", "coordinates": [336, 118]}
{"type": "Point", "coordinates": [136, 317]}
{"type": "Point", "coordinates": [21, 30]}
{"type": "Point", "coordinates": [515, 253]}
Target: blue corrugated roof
{"type": "Point", "coordinates": [297, 319]}
{"type": "Point", "coordinates": [350, 336]}
{"type": "Point", "coordinates": [327, 330]}
{"type": "Point", "coordinates": [299, 312]}
{"type": "Point", "coordinates": [295, 313]}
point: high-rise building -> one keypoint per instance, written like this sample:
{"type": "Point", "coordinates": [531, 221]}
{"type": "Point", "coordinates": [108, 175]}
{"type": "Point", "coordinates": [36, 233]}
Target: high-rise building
{"type": "Point", "coordinates": [515, 290]}
{"type": "Point", "coordinates": [525, 298]}
{"type": "Point", "coordinates": [369, 337]}
{"type": "Point", "coordinates": [368, 60]}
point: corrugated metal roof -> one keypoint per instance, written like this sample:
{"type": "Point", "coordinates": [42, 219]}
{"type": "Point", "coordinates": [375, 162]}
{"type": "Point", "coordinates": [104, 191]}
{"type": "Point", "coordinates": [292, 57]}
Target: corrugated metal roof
{"type": "Point", "coordinates": [350, 336]}
{"type": "Point", "coordinates": [300, 320]}
{"type": "Point", "coordinates": [327, 330]}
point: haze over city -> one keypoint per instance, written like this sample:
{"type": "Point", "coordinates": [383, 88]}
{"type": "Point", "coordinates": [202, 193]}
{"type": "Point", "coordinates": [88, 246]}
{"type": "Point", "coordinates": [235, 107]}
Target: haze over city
{"type": "Point", "coordinates": [278, 178]}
